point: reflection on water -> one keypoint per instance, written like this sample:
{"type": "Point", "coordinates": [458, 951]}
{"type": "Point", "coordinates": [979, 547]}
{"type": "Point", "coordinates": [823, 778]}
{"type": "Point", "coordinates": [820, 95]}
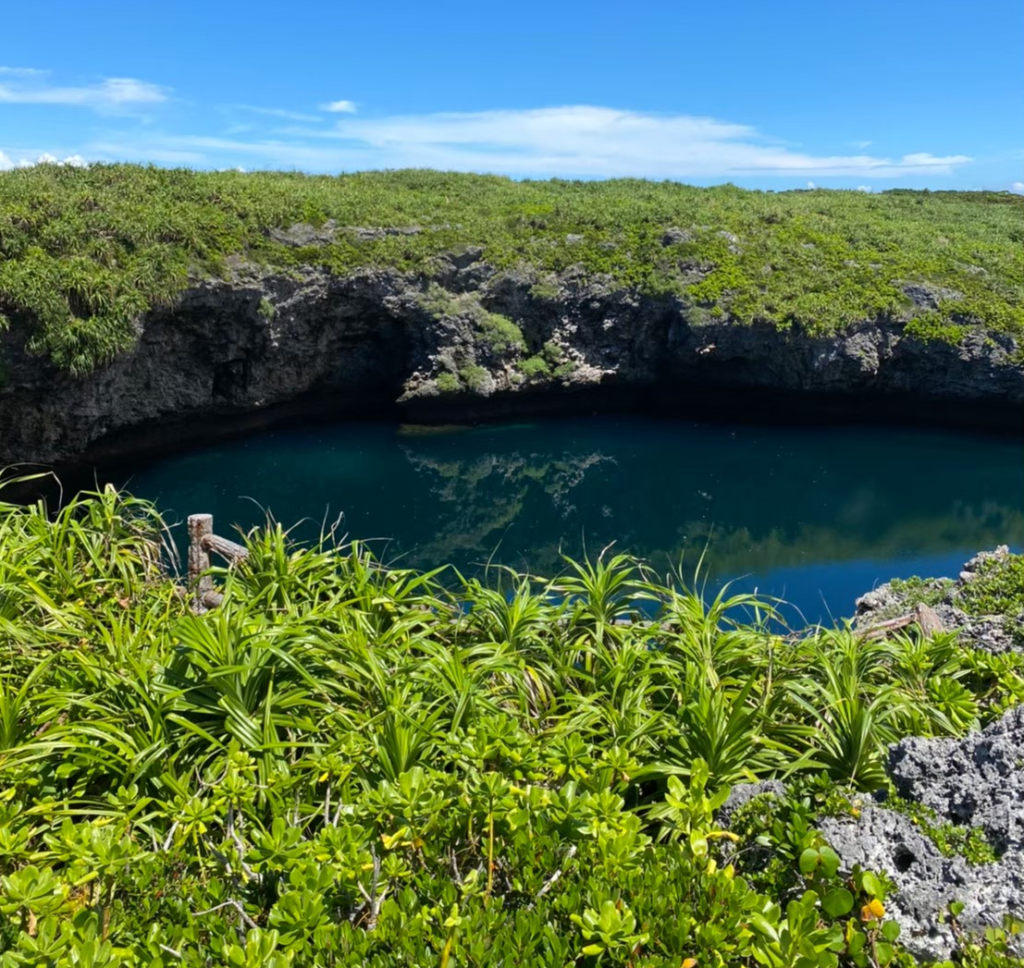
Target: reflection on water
{"type": "Point", "coordinates": [818, 515]}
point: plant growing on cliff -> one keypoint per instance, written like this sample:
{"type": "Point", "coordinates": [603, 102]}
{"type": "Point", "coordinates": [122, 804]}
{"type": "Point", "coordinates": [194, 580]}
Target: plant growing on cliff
{"type": "Point", "coordinates": [535, 366]}
{"type": "Point", "coordinates": [474, 377]}
{"type": "Point", "coordinates": [499, 332]}
{"type": "Point", "coordinates": [266, 309]}
{"type": "Point", "coordinates": [447, 382]}
{"type": "Point", "coordinates": [997, 589]}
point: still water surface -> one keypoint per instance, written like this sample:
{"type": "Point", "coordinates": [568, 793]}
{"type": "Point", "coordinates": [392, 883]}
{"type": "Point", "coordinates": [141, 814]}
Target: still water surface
{"type": "Point", "coordinates": [814, 515]}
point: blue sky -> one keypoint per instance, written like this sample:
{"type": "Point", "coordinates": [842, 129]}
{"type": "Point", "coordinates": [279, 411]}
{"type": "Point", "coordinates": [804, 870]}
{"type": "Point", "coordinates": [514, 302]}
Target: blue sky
{"type": "Point", "coordinates": [900, 93]}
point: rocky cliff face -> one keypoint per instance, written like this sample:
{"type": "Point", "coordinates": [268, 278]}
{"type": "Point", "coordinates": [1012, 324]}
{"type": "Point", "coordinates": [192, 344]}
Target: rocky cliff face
{"type": "Point", "coordinates": [471, 342]}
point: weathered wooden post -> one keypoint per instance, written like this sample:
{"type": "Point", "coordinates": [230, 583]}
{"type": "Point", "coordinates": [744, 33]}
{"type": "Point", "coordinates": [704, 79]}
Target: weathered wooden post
{"type": "Point", "coordinates": [200, 526]}
{"type": "Point", "coordinates": [201, 542]}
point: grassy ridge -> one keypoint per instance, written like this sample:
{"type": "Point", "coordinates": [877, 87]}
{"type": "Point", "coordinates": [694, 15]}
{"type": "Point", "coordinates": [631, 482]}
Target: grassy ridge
{"type": "Point", "coordinates": [84, 252]}
{"type": "Point", "coordinates": [345, 765]}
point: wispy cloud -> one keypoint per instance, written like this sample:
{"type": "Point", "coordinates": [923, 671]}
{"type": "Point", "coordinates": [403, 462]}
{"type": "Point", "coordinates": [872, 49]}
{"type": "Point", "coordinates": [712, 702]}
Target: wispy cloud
{"type": "Point", "coordinates": [572, 141]}
{"type": "Point", "coordinates": [586, 141]}
{"type": "Point", "coordinates": [274, 112]}
{"type": "Point", "coordinates": [110, 95]}
{"type": "Point", "coordinates": [339, 107]}
{"type": "Point", "coordinates": [22, 71]}
{"type": "Point", "coordinates": [159, 150]}
{"type": "Point", "coordinates": [1017, 187]}
{"type": "Point", "coordinates": [860, 145]}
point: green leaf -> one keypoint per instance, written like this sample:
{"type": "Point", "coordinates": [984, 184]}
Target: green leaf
{"type": "Point", "coordinates": [884, 953]}
{"type": "Point", "coordinates": [837, 903]}
{"type": "Point", "coordinates": [890, 930]}
{"type": "Point", "coordinates": [872, 885]}
{"type": "Point", "coordinates": [829, 861]}
{"type": "Point", "coordinates": [809, 861]}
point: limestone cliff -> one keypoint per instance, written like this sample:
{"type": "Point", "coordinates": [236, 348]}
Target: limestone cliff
{"type": "Point", "coordinates": [468, 342]}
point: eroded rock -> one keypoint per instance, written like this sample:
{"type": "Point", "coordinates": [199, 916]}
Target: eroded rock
{"type": "Point", "coordinates": [997, 634]}
{"type": "Point", "coordinates": [927, 881]}
{"type": "Point", "coordinates": [977, 781]}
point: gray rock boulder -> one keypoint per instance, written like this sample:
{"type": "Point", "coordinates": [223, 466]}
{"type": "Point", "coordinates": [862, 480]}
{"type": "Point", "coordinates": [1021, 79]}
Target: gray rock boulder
{"type": "Point", "coordinates": [302, 234]}
{"type": "Point", "coordinates": [743, 793]}
{"type": "Point", "coordinates": [977, 781]}
{"type": "Point", "coordinates": [882, 840]}
{"type": "Point", "coordinates": [675, 236]}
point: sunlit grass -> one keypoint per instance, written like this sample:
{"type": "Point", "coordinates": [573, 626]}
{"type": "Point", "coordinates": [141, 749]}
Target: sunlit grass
{"type": "Point", "coordinates": [83, 252]}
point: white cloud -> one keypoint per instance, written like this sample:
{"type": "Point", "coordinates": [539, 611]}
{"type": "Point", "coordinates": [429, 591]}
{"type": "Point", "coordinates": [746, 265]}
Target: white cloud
{"type": "Point", "coordinates": [110, 95]}
{"type": "Point", "coordinates": [1017, 188]}
{"type": "Point", "coordinates": [864, 188]}
{"type": "Point", "coordinates": [573, 141]}
{"type": "Point", "coordinates": [577, 141]}
{"type": "Point", "coordinates": [811, 184]}
{"type": "Point", "coordinates": [276, 112]}
{"type": "Point", "coordinates": [22, 71]}
{"type": "Point", "coordinates": [7, 163]}
{"type": "Point", "coordinates": [342, 107]}
{"type": "Point", "coordinates": [860, 145]}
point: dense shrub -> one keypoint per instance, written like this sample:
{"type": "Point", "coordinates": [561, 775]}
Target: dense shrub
{"type": "Point", "coordinates": [352, 765]}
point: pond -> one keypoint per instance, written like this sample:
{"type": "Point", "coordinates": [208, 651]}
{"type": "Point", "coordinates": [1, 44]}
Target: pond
{"type": "Point", "coordinates": [816, 516]}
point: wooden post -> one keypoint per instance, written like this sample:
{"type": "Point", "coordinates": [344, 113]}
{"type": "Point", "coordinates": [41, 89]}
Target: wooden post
{"type": "Point", "coordinates": [200, 526]}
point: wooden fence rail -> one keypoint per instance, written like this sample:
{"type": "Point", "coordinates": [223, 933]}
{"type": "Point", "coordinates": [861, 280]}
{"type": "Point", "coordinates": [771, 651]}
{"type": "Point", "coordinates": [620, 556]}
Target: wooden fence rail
{"type": "Point", "coordinates": [201, 543]}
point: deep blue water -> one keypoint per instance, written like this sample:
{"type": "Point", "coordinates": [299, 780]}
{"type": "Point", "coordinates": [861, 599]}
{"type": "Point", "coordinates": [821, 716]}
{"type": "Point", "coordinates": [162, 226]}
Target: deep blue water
{"type": "Point", "coordinates": [814, 515]}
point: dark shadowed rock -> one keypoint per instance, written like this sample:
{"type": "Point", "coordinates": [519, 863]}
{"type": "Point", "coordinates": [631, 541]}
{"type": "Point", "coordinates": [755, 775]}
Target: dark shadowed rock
{"type": "Point", "coordinates": [363, 341]}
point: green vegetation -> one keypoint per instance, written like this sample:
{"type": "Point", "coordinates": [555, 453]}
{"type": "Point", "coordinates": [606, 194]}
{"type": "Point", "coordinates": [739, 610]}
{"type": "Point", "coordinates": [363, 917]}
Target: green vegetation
{"type": "Point", "coordinates": [83, 252]}
{"type": "Point", "coordinates": [474, 377]}
{"type": "Point", "coordinates": [951, 839]}
{"type": "Point", "coordinates": [500, 332]}
{"type": "Point", "coordinates": [266, 309]}
{"type": "Point", "coordinates": [997, 589]}
{"type": "Point", "coordinates": [535, 366]}
{"type": "Point", "coordinates": [447, 382]}
{"type": "Point", "coordinates": [351, 765]}
{"type": "Point", "coordinates": [926, 591]}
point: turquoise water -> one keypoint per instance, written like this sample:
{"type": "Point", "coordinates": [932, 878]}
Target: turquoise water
{"type": "Point", "coordinates": [814, 515]}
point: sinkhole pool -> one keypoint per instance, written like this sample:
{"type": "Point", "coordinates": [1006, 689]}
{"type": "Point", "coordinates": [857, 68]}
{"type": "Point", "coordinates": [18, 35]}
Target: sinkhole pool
{"type": "Point", "coordinates": [815, 516]}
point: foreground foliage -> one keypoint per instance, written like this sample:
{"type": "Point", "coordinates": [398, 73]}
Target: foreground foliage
{"type": "Point", "coordinates": [349, 765]}
{"type": "Point", "coordinates": [83, 252]}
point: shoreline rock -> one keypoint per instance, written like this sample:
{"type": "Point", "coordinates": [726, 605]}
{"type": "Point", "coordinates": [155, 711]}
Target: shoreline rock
{"type": "Point", "coordinates": [997, 634]}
